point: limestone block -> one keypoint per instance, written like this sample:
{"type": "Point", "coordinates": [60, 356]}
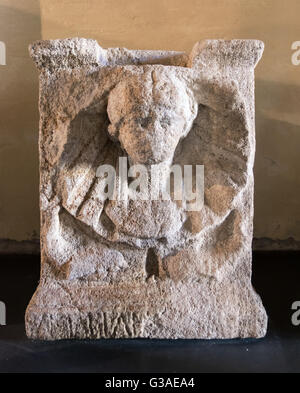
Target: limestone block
{"type": "Point", "coordinates": [145, 267]}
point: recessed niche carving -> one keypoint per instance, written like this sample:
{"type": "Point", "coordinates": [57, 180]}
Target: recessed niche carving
{"type": "Point", "coordinates": [145, 267]}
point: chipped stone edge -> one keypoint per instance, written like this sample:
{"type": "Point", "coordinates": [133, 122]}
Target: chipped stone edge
{"type": "Point", "coordinates": [77, 52]}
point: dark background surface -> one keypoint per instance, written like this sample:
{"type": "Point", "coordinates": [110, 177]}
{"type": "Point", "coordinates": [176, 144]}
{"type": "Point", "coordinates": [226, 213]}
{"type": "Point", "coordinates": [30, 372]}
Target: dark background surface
{"type": "Point", "coordinates": [276, 277]}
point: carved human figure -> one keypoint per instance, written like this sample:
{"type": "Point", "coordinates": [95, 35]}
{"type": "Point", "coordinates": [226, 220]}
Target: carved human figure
{"type": "Point", "coordinates": [149, 115]}
{"type": "Point", "coordinates": [146, 268]}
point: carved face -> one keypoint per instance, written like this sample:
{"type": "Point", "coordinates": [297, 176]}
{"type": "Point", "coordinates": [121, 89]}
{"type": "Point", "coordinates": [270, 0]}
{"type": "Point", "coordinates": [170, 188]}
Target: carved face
{"type": "Point", "coordinates": [149, 113]}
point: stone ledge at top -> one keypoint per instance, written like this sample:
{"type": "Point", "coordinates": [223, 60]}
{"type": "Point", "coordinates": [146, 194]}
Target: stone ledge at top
{"type": "Point", "coordinates": [79, 52]}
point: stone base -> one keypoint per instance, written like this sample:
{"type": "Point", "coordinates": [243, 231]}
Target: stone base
{"type": "Point", "coordinates": [156, 309]}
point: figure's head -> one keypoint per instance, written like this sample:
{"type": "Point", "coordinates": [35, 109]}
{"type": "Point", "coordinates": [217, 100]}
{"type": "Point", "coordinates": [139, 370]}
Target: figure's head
{"type": "Point", "coordinates": [149, 113]}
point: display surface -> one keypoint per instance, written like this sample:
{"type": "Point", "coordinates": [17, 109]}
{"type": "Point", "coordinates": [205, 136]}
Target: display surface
{"type": "Point", "coordinates": [145, 267]}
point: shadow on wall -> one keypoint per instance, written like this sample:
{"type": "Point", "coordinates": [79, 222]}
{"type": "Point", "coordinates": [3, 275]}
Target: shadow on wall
{"type": "Point", "coordinates": [19, 211]}
{"type": "Point", "coordinates": [277, 166]}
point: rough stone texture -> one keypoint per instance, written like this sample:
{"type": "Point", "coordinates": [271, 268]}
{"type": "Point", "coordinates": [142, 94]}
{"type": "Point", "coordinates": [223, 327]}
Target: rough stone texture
{"type": "Point", "coordinates": [152, 269]}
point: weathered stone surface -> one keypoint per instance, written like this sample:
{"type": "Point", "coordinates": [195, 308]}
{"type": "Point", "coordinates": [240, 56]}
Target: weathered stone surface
{"type": "Point", "coordinates": [150, 268]}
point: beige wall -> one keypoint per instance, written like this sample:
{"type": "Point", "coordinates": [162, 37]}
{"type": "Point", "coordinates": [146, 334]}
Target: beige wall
{"type": "Point", "coordinates": [19, 216]}
{"type": "Point", "coordinates": [155, 24]}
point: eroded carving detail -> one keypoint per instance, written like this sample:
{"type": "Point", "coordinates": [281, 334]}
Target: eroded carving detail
{"type": "Point", "coordinates": [148, 268]}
